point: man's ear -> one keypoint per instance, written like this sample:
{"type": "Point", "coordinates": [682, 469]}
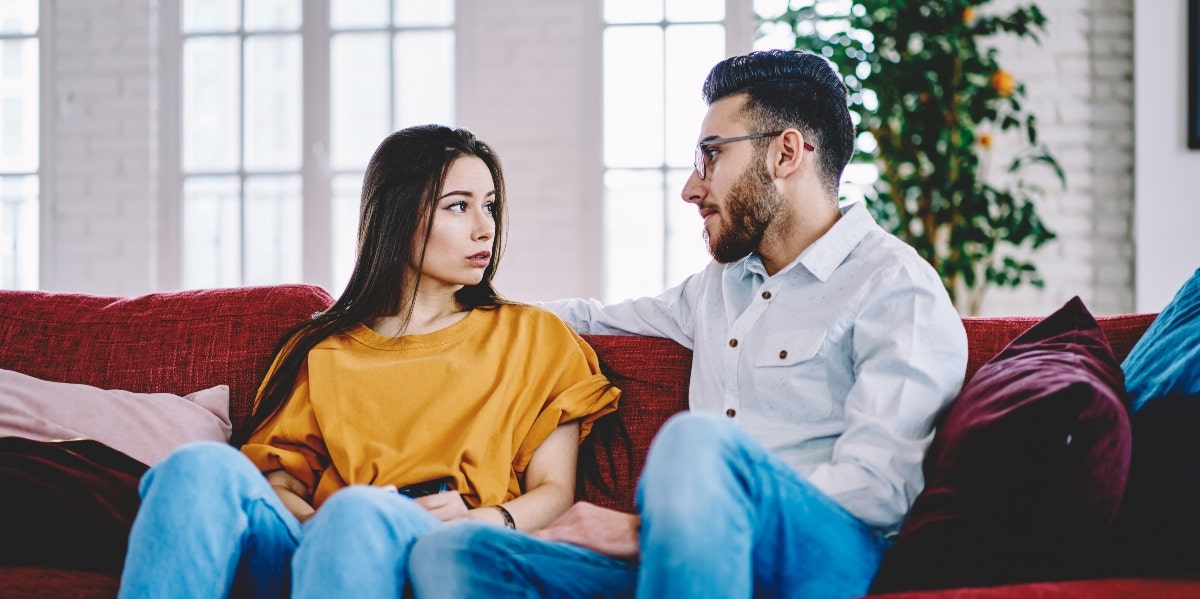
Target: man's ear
{"type": "Point", "coordinates": [791, 154]}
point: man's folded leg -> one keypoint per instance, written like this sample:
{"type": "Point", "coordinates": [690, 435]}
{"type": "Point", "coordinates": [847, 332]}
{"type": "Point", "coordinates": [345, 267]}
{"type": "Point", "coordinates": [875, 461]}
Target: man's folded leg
{"type": "Point", "coordinates": [473, 559]}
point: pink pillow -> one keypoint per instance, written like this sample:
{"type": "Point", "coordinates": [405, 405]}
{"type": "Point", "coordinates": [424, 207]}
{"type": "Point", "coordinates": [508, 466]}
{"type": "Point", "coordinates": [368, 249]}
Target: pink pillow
{"type": "Point", "coordinates": [144, 426]}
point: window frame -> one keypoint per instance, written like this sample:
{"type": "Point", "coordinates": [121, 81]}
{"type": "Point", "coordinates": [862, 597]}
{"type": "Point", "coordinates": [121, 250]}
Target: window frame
{"type": "Point", "coordinates": [45, 68]}
{"type": "Point", "coordinates": [316, 172]}
{"type": "Point", "coordinates": [740, 25]}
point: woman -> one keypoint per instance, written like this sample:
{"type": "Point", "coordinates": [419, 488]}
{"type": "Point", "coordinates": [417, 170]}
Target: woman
{"type": "Point", "coordinates": [419, 397]}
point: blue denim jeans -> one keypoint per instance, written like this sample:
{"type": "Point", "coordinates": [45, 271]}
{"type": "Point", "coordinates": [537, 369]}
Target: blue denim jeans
{"type": "Point", "coordinates": [721, 517]}
{"type": "Point", "coordinates": [210, 526]}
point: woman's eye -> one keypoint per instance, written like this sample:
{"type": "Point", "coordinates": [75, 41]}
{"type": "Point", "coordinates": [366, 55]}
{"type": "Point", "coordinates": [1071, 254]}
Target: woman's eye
{"type": "Point", "coordinates": [457, 207]}
{"type": "Point", "coordinates": [490, 207]}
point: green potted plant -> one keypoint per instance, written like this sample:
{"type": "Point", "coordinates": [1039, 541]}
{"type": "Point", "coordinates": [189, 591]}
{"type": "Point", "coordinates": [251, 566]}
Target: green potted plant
{"type": "Point", "coordinates": [930, 100]}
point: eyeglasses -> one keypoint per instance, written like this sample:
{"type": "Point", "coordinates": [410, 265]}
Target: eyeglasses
{"type": "Point", "coordinates": [700, 161]}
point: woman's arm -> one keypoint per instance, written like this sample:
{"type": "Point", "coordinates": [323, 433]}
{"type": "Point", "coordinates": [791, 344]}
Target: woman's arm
{"type": "Point", "coordinates": [292, 493]}
{"type": "Point", "coordinates": [549, 483]}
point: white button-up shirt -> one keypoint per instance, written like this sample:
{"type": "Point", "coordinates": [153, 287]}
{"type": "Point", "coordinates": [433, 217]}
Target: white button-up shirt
{"type": "Point", "coordinates": [838, 363]}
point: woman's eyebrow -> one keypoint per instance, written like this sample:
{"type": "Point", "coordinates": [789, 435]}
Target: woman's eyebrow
{"type": "Point", "coordinates": [464, 193]}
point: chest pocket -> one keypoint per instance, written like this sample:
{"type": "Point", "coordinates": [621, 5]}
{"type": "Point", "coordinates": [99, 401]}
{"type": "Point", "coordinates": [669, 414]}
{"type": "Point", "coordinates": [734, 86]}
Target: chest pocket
{"type": "Point", "coordinates": [790, 375]}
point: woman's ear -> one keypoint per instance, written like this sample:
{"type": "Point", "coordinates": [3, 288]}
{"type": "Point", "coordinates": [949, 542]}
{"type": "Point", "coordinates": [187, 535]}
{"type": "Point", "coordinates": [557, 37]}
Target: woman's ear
{"type": "Point", "coordinates": [789, 155]}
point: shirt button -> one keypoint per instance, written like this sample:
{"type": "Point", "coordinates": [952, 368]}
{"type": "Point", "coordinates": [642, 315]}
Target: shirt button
{"type": "Point", "coordinates": [782, 354]}
{"type": "Point", "coordinates": [731, 412]}
{"type": "Point", "coordinates": [766, 295]}
{"type": "Point", "coordinates": [733, 343]}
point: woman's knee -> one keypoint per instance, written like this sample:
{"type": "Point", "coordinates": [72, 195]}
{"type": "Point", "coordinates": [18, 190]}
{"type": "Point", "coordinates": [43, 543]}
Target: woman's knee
{"type": "Point", "coordinates": [358, 502]}
{"type": "Point", "coordinates": [202, 464]}
{"type": "Point", "coordinates": [366, 508]}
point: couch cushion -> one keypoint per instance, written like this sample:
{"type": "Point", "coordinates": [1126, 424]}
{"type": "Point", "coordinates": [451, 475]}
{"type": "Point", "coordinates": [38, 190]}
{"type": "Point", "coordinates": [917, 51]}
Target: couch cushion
{"type": "Point", "coordinates": [150, 427]}
{"type": "Point", "coordinates": [1166, 360]}
{"type": "Point", "coordinates": [1027, 468]}
{"type": "Point", "coordinates": [1159, 522]}
{"type": "Point", "coordinates": [176, 342]}
{"type": "Point", "coordinates": [67, 504]}
{"type": "Point", "coordinates": [653, 376]}
{"type": "Point", "coordinates": [56, 583]}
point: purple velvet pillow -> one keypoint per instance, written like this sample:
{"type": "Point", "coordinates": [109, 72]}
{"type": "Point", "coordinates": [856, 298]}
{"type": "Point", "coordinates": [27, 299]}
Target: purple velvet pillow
{"type": "Point", "coordinates": [1027, 468]}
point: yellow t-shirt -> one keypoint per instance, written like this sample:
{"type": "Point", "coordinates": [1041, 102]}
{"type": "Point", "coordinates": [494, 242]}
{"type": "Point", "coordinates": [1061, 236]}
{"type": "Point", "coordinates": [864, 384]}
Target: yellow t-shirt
{"type": "Point", "coordinates": [471, 401]}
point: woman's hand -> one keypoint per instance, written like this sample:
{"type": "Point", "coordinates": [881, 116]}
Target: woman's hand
{"type": "Point", "coordinates": [445, 506]}
{"type": "Point", "coordinates": [292, 493]}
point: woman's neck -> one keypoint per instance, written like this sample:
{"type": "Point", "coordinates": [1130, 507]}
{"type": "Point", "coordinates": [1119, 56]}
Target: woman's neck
{"type": "Point", "coordinates": [431, 311]}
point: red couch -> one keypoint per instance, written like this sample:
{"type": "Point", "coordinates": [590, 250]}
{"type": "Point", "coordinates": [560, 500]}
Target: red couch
{"type": "Point", "coordinates": [185, 341]}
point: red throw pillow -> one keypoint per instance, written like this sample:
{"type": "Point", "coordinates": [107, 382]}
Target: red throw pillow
{"type": "Point", "coordinates": [66, 504]}
{"type": "Point", "coordinates": [1027, 469]}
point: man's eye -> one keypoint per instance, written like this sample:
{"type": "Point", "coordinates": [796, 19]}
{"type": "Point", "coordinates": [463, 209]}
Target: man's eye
{"type": "Point", "coordinates": [710, 152]}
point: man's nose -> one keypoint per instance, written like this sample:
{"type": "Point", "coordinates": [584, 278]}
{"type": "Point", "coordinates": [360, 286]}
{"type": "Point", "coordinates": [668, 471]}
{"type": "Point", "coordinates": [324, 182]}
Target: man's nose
{"type": "Point", "coordinates": [694, 189]}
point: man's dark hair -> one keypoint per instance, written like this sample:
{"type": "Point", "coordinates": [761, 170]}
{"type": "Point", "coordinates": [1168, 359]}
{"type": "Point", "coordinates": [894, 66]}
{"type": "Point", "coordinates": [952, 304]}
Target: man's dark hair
{"type": "Point", "coordinates": [789, 88]}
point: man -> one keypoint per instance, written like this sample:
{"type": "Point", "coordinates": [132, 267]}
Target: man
{"type": "Point", "coordinates": [823, 349]}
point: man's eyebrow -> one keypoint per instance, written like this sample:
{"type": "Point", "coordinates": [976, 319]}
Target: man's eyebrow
{"type": "Point", "coordinates": [709, 138]}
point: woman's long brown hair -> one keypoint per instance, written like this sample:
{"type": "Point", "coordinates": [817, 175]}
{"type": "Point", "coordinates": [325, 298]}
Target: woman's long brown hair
{"type": "Point", "coordinates": [399, 194]}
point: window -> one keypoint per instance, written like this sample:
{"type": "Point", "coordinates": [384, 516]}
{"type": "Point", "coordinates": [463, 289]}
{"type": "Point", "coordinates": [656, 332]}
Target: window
{"type": "Point", "coordinates": [19, 143]}
{"type": "Point", "coordinates": [858, 176]}
{"type": "Point", "coordinates": [656, 55]}
{"type": "Point", "coordinates": [391, 66]}
{"type": "Point", "coordinates": [279, 118]}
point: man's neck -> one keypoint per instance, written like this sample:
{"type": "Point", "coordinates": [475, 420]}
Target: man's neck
{"type": "Point", "coordinates": [795, 230]}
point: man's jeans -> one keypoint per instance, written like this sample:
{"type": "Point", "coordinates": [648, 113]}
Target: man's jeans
{"type": "Point", "coordinates": [210, 525]}
{"type": "Point", "coordinates": [721, 517]}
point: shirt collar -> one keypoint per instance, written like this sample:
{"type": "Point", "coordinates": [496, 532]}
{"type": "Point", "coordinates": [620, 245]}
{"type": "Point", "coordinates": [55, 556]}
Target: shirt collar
{"type": "Point", "coordinates": [826, 253]}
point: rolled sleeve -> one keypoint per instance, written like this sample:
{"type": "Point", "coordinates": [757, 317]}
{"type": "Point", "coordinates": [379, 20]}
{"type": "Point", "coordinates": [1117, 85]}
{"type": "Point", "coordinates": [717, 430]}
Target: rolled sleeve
{"type": "Point", "coordinates": [291, 440]}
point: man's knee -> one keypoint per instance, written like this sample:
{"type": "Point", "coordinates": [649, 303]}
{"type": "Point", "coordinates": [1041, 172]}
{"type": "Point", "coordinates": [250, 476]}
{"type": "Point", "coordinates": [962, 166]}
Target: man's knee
{"type": "Point", "coordinates": [690, 436]}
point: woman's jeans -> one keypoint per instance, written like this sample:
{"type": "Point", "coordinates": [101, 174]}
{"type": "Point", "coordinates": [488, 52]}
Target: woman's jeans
{"type": "Point", "coordinates": [721, 517]}
{"type": "Point", "coordinates": [210, 526]}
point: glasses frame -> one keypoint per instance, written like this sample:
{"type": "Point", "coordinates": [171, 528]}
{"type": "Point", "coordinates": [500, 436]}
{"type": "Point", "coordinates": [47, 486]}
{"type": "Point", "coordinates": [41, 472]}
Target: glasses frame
{"type": "Point", "coordinates": [700, 159]}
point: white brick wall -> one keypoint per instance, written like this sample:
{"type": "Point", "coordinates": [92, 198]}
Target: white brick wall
{"type": "Point", "coordinates": [104, 139]}
{"type": "Point", "coordinates": [1079, 83]}
{"type": "Point", "coordinates": [529, 85]}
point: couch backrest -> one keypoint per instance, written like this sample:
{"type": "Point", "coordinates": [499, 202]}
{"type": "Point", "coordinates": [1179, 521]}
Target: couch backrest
{"type": "Point", "coordinates": [185, 341]}
{"type": "Point", "coordinates": [176, 342]}
{"type": "Point", "coordinates": [653, 376]}
{"type": "Point", "coordinates": [987, 336]}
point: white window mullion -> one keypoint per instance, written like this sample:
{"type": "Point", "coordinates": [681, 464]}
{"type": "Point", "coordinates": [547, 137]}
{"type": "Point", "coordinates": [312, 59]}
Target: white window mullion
{"type": "Point", "coordinates": [318, 237]}
{"type": "Point", "coordinates": [47, 273]}
{"type": "Point", "coordinates": [170, 181]}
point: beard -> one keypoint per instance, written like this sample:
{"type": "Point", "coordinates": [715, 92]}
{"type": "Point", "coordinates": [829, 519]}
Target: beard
{"type": "Point", "coordinates": [753, 203]}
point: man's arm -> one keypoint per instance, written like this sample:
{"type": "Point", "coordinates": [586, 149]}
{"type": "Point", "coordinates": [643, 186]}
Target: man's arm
{"type": "Point", "coordinates": [910, 357]}
{"type": "Point", "coordinates": [602, 530]}
{"type": "Point", "coordinates": [669, 314]}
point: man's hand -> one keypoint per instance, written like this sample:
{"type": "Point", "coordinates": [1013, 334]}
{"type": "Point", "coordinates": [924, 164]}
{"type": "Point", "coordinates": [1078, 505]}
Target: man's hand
{"type": "Point", "coordinates": [602, 530]}
{"type": "Point", "coordinates": [445, 506]}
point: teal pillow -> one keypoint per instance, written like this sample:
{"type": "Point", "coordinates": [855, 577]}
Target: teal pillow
{"type": "Point", "coordinates": [1166, 360]}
